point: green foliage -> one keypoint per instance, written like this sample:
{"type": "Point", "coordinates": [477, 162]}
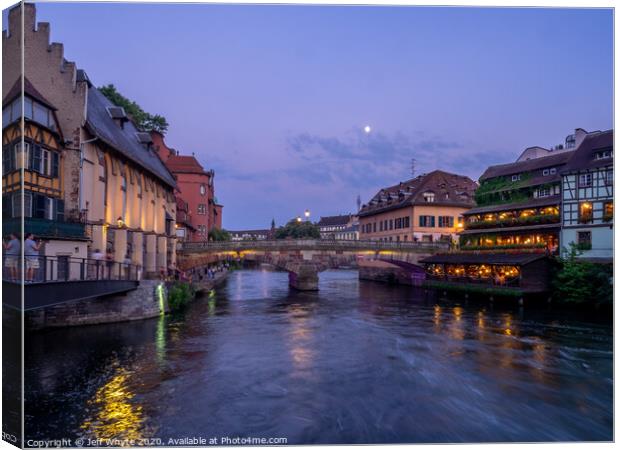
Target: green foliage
{"type": "Point", "coordinates": [298, 230]}
{"type": "Point", "coordinates": [217, 234]}
{"type": "Point", "coordinates": [502, 190]}
{"type": "Point", "coordinates": [179, 295]}
{"type": "Point", "coordinates": [142, 119]}
{"type": "Point", "coordinates": [581, 282]}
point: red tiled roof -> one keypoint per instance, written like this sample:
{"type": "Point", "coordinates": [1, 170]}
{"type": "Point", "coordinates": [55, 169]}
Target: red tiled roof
{"type": "Point", "coordinates": [184, 164]}
{"type": "Point", "coordinates": [450, 190]}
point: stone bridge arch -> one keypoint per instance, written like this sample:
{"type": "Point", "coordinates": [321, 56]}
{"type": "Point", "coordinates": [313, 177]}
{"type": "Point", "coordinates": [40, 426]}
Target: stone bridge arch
{"type": "Point", "coordinates": [304, 259]}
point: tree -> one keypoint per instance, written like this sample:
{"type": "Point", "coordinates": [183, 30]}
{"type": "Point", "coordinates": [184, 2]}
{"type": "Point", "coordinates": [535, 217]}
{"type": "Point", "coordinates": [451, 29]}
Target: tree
{"type": "Point", "coordinates": [298, 230]}
{"type": "Point", "coordinates": [142, 119]}
{"type": "Point", "coordinates": [217, 234]}
{"type": "Point", "coordinates": [579, 281]}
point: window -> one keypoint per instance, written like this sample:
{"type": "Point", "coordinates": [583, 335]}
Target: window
{"type": "Point", "coordinates": [445, 221]}
{"type": "Point", "coordinates": [40, 114]}
{"type": "Point", "coordinates": [391, 224]}
{"type": "Point", "coordinates": [552, 171]}
{"type": "Point", "coordinates": [585, 212]}
{"type": "Point", "coordinates": [544, 192]}
{"type": "Point", "coordinates": [585, 180]}
{"type": "Point", "coordinates": [406, 224]}
{"type": "Point", "coordinates": [604, 154]}
{"type": "Point", "coordinates": [427, 221]}
{"type": "Point", "coordinates": [545, 172]}
{"type": "Point", "coordinates": [584, 240]}
{"type": "Point", "coordinates": [429, 197]}
{"type": "Point", "coordinates": [47, 208]}
{"type": "Point", "coordinates": [608, 211]}
{"type": "Point", "coordinates": [516, 177]}
{"type": "Point", "coordinates": [33, 111]}
{"type": "Point", "coordinates": [374, 227]}
{"type": "Point", "coordinates": [124, 195]}
{"type": "Point", "coordinates": [203, 189]}
{"type": "Point", "coordinates": [609, 177]}
{"type": "Point", "coordinates": [21, 154]}
{"type": "Point", "coordinates": [381, 226]}
{"type": "Point", "coordinates": [202, 209]}
{"type": "Point", "coordinates": [26, 198]}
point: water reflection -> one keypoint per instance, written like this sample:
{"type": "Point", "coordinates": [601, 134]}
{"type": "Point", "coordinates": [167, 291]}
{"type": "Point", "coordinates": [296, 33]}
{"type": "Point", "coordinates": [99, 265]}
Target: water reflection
{"type": "Point", "coordinates": [356, 362]}
{"type": "Point", "coordinates": [115, 416]}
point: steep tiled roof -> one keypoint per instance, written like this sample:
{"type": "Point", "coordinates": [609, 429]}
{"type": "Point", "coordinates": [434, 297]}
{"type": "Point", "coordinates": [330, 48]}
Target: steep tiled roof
{"type": "Point", "coordinates": [450, 190]}
{"type": "Point", "coordinates": [330, 221]}
{"type": "Point", "coordinates": [29, 90]}
{"type": "Point", "coordinates": [184, 164]}
{"type": "Point", "coordinates": [501, 170]}
{"type": "Point", "coordinates": [124, 140]}
{"type": "Point", "coordinates": [584, 157]}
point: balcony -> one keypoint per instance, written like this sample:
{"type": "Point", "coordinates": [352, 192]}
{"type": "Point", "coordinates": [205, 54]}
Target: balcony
{"type": "Point", "coordinates": [506, 221]}
{"type": "Point", "coordinates": [45, 228]}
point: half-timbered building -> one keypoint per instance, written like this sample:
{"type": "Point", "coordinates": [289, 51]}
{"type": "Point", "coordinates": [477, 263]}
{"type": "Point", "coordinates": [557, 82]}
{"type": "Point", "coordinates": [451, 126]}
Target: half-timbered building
{"type": "Point", "coordinates": [588, 198]}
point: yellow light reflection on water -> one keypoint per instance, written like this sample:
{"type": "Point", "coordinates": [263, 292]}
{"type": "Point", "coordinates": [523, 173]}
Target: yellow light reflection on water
{"type": "Point", "coordinates": [116, 417]}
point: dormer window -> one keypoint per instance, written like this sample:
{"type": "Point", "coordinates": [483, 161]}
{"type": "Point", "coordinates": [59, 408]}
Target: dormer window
{"type": "Point", "coordinates": [429, 197]}
{"type": "Point", "coordinates": [545, 172]}
{"type": "Point", "coordinates": [516, 177]}
{"type": "Point", "coordinates": [604, 154]}
{"type": "Point", "coordinates": [117, 113]}
{"type": "Point", "coordinates": [144, 139]}
{"type": "Point", "coordinates": [552, 171]}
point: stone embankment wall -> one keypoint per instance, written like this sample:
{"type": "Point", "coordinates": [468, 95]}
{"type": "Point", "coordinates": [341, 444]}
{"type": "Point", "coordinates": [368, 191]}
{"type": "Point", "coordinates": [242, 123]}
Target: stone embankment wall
{"type": "Point", "coordinates": [148, 300]}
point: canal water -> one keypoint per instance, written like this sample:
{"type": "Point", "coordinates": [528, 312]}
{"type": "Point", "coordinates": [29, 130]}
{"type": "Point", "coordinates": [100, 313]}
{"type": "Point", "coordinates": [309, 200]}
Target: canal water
{"type": "Point", "coordinates": [356, 362]}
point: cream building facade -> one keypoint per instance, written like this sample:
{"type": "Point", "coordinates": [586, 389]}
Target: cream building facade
{"type": "Point", "coordinates": [112, 181]}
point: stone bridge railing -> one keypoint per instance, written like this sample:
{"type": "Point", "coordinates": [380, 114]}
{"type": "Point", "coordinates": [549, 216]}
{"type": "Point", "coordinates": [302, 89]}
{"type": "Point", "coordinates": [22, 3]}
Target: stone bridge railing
{"type": "Point", "coordinates": [312, 244]}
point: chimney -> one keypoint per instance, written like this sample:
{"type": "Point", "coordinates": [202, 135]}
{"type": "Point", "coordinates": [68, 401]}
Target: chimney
{"type": "Point", "coordinates": [580, 135]}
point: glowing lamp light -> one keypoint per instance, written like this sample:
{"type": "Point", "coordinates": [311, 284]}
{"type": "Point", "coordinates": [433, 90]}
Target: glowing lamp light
{"type": "Point", "coordinates": [120, 222]}
{"type": "Point", "coordinates": [307, 213]}
{"type": "Point", "coordinates": [298, 219]}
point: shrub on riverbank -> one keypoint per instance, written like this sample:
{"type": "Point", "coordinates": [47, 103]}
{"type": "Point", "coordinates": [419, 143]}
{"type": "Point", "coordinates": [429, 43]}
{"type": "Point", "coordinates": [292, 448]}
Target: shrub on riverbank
{"type": "Point", "coordinates": [582, 282]}
{"type": "Point", "coordinates": [179, 295]}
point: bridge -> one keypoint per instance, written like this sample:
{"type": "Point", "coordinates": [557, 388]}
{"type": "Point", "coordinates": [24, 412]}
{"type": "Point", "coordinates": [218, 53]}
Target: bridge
{"type": "Point", "coordinates": [303, 259]}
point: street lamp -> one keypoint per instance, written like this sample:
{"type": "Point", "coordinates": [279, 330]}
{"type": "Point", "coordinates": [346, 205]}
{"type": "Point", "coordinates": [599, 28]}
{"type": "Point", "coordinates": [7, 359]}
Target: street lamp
{"type": "Point", "coordinates": [307, 214]}
{"type": "Point", "coordinates": [298, 219]}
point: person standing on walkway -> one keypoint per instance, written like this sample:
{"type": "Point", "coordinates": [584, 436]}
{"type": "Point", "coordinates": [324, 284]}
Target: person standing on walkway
{"type": "Point", "coordinates": [31, 252]}
{"type": "Point", "coordinates": [11, 252]}
{"type": "Point", "coordinates": [98, 257]}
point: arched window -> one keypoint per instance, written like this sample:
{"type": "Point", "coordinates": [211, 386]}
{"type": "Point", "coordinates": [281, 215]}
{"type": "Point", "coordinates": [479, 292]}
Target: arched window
{"type": "Point", "coordinates": [124, 194]}
{"type": "Point", "coordinates": [103, 176]}
{"type": "Point", "coordinates": [203, 189]}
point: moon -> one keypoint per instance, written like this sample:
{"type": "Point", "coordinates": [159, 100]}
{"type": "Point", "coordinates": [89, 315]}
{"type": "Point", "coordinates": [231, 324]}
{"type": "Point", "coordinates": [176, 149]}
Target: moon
{"type": "Point", "coordinates": [367, 129]}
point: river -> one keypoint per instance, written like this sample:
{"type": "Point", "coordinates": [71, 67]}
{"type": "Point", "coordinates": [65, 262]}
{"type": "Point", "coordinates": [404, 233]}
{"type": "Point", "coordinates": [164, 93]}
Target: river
{"type": "Point", "coordinates": [355, 362]}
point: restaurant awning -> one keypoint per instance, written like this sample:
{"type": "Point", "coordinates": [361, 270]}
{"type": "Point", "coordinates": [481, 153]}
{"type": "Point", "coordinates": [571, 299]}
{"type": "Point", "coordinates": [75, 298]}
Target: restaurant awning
{"type": "Point", "coordinates": [498, 259]}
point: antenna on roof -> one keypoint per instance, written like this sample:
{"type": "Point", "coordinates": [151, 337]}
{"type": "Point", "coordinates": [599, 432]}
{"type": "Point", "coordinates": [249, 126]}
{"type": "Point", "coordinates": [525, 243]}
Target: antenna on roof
{"type": "Point", "coordinates": [413, 164]}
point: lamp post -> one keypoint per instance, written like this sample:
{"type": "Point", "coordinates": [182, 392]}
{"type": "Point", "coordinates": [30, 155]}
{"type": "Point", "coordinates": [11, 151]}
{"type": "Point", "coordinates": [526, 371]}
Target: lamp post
{"type": "Point", "coordinates": [307, 214]}
{"type": "Point", "coordinates": [298, 219]}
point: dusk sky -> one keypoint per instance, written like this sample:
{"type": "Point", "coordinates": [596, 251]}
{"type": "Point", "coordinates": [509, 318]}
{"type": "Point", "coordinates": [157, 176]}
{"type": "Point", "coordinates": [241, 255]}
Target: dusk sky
{"type": "Point", "coordinates": [275, 98]}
